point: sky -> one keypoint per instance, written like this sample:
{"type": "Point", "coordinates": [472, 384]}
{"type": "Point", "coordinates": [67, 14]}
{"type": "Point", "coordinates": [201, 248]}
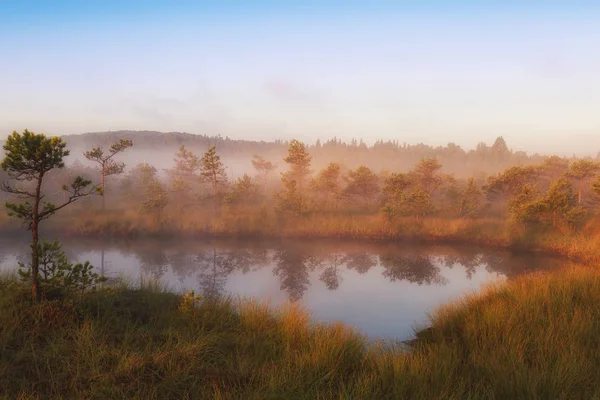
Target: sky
{"type": "Point", "coordinates": [417, 72]}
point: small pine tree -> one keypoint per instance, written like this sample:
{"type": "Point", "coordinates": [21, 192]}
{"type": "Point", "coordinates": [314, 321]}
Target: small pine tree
{"type": "Point", "coordinates": [29, 157]}
{"type": "Point", "coordinates": [290, 200]}
{"type": "Point", "coordinates": [212, 171]}
{"type": "Point", "coordinates": [108, 166]}
{"type": "Point", "coordinates": [427, 175]}
{"type": "Point", "coordinates": [327, 184]}
{"type": "Point", "coordinates": [362, 184]}
{"type": "Point", "coordinates": [243, 192]}
{"type": "Point", "coordinates": [299, 161]}
{"type": "Point", "coordinates": [470, 205]}
{"type": "Point", "coordinates": [264, 167]}
{"type": "Point", "coordinates": [582, 171]}
{"type": "Point", "coordinates": [184, 175]}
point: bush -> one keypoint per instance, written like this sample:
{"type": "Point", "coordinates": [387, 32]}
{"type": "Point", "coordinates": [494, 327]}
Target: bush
{"type": "Point", "coordinates": [57, 274]}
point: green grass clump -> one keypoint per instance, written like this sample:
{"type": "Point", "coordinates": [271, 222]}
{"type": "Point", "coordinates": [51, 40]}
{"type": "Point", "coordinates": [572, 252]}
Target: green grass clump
{"type": "Point", "coordinates": [537, 337]}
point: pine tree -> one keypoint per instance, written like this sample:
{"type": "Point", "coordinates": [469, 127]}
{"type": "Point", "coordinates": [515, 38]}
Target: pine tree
{"type": "Point", "coordinates": [28, 158]}
{"type": "Point", "coordinates": [394, 189]}
{"type": "Point", "coordinates": [264, 167]}
{"type": "Point", "coordinates": [427, 174]}
{"type": "Point", "coordinates": [327, 183]}
{"type": "Point", "coordinates": [243, 192]}
{"type": "Point", "coordinates": [362, 183]}
{"type": "Point", "coordinates": [299, 161]}
{"type": "Point", "coordinates": [212, 171]}
{"type": "Point", "coordinates": [470, 205]}
{"type": "Point", "coordinates": [290, 200]}
{"type": "Point", "coordinates": [108, 166]}
{"type": "Point", "coordinates": [582, 171]}
{"type": "Point", "coordinates": [184, 175]}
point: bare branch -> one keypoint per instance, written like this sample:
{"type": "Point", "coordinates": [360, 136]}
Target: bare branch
{"type": "Point", "coordinates": [6, 187]}
{"type": "Point", "coordinates": [77, 190]}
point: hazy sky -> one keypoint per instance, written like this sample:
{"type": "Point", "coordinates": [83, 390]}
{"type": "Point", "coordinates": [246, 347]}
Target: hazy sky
{"type": "Point", "coordinates": [413, 71]}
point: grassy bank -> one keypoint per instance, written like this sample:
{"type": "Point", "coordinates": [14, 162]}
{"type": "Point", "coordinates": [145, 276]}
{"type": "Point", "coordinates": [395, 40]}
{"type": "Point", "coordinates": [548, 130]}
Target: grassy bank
{"type": "Point", "coordinates": [582, 245]}
{"type": "Point", "coordinates": [535, 337]}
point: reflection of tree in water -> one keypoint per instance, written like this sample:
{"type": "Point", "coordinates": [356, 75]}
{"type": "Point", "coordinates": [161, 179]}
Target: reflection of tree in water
{"type": "Point", "coordinates": [413, 268]}
{"type": "Point", "coordinates": [292, 267]}
{"type": "Point", "coordinates": [512, 264]}
{"type": "Point", "coordinates": [331, 274]}
{"type": "Point", "coordinates": [469, 261]}
{"type": "Point", "coordinates": [244, 259]}
{"type": "Point", "coordinates": [361, 262]}
{"type": "Point", "coordinates": [215, 266]}
{"type": "Point", "coordinates": [153, 262]}
{"type": "Point", "coordinates": [183, 264]}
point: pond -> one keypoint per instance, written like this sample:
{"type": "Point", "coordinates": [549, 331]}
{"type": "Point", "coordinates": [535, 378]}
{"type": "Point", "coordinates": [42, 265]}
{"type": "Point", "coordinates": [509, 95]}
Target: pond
{"type": "Point", "coordinates": [383, 289]}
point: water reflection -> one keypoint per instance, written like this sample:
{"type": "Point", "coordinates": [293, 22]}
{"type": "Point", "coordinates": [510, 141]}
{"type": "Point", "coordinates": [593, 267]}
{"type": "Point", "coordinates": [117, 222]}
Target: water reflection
{"type": "Point", "coordinates": [415, 268]}
{"type": "Point", "coordinates": [293, 262]}
{"type": "Point", "coordinates": [381, 288]}
{"type": "Point", "coordinates": [292, 266]}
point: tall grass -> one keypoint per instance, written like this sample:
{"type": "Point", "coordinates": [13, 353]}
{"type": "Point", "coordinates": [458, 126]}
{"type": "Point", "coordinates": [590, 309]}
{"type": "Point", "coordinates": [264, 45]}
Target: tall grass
{"type": "Point", "coordinates": [535, 337]}
{"type": "Point", "coordinates": [581, 244]}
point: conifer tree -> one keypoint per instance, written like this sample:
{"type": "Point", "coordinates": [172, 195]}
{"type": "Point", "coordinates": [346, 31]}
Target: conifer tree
{"type": "Point", "coordinates": [212, 171]}
{"type": "Point", "coordinates": [470, 205]}
{"type": "Point", "coordinates": [108, 166]}
{"type": "Point", "coordinates": [362, 184]}
{"type": "Point", "coordinates": [28, 158]}
{"type": "Point", "coordinates": [327, 183]}
{"type": "Point", "coordinates": [582, 171]}
{"type": "Point", "coordinates": [299, 161]}
{"type": "Point", "coordinates": [264, 167]}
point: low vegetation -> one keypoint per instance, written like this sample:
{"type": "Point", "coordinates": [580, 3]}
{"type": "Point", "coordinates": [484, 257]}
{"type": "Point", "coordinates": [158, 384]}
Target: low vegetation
{"type": "Point", "coordinates": [533, 337]}
{"type": "Point", "coordinates": [536, 336]}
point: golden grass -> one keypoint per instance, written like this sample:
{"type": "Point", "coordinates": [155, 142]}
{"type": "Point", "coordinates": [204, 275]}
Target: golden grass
{"type": "Point", "coordinates": [535, 337]}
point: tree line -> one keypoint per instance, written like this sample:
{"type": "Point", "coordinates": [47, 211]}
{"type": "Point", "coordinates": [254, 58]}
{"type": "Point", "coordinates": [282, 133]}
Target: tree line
{"type": "Point", "coordinates": [555, 194]}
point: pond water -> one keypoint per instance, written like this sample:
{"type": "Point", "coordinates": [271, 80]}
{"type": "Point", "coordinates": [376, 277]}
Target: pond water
{"type": "Point", "coordinates": [383, 289]}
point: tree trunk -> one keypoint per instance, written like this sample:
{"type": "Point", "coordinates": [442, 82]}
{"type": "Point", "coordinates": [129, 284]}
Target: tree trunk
{"type": "Point", "coordinates": [102, 260]}
{"type": "Point", "coordinates": [215, 192]}
{"type": "Point", "coordinates": [266, 181]}
{"type": "Point", "coordinates": [103, 193]}
{"type": "Point", "coordinates": [35, 282]}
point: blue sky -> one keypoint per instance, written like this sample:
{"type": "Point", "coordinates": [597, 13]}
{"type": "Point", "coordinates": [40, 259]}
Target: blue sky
{"type": "Point", "coordinates": [427, 71]}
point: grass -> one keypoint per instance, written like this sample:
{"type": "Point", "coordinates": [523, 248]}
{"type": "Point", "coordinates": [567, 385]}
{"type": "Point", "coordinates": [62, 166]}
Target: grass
{"type": "Point", "coordinates": [581, 244]}
{"type": "Point", "coordinates": [534, 337]}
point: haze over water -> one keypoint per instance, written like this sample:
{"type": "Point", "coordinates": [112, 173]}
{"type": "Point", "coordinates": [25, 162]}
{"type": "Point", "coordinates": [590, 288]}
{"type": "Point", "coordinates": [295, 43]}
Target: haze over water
{"type": "Point", "coordinates": [383, 290]}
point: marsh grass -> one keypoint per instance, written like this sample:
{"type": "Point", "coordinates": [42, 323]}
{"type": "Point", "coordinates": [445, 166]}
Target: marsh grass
{"type": "Point", "coordinates": [582, 244]}
{"type": "Point", "coordinates": [535, 337]}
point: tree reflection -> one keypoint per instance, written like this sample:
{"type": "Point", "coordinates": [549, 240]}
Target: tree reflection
{"type": "Point", "coordinates": [154, 263]}
{"type": "Point", "coordinates": [244, 259]}
{"type": "Point", "coordinates": [417, 269]}
{"type": "Point", "coordinates": [469, 261]}
{"type": "Point", "coordinates": [292, 266]}
{"type": "Point", "coordinates": [214, 268]}
{"type": "Point", "coordinates": [361, 262]}
{"type": "Point", "coordinates": [183, 264]}
{"type": "Point", "coordinates": [331, 274]}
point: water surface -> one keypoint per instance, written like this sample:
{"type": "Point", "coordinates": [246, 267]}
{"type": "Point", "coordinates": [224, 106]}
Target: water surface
{"type": "Point", "coordinates": [382, 289]}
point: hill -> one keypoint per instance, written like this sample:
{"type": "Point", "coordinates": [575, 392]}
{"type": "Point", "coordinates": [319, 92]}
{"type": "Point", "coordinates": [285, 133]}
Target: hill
{"type": "Point", "coordinates": [158, 149]}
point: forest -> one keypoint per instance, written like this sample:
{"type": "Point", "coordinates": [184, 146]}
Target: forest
{"type": "Point", "coordinates": [530, 201]}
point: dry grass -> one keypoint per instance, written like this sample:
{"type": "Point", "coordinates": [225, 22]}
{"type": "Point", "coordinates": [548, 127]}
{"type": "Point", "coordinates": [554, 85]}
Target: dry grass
{"type": "Point", "coordinates": [535, 337]}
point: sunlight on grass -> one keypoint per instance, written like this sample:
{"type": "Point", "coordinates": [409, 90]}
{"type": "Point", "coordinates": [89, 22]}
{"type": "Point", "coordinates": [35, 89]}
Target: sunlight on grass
{"type": "Point", "coordinates": [532, 337]}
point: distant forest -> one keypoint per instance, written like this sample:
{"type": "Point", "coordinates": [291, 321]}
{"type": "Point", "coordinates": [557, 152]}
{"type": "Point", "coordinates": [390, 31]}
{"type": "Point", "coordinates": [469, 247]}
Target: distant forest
{"type": "Point", "coordinates": [158, 148]}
